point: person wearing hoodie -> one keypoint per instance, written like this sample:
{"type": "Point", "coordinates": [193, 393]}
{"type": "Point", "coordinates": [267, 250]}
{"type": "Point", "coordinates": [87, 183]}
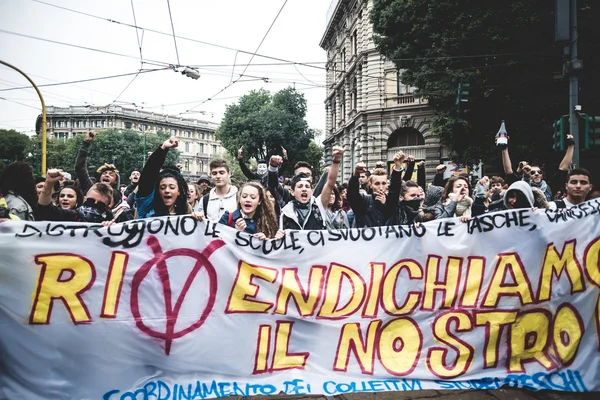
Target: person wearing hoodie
{"type": "Point", "coordinates": [204, 185]}
{"type": "Point", "coordinates": [107, 173]}
{"type": "Point", "coordinates": [70, 198]}
{"type": "Point", "coordinates": [305, 212]}
{"type": "Point", "coordinates": [255, 214]}
{"type": "Point", "coordinates": [161, 192]}
{"type": "Point", "coordinates": [223, 197]}
{"type": "Point", "coordinates": [519, 195]}
{"type": "Point", "coordinates": [455, 200]}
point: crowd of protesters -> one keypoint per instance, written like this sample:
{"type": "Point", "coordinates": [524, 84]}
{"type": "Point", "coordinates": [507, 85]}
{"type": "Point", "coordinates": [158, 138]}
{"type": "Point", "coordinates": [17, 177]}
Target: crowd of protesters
{"type": "Point", "coordinates": [268, 205]}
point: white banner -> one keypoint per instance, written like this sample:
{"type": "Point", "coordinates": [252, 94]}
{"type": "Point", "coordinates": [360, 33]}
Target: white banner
{"type": "Point", "coordinates": [170, 308]}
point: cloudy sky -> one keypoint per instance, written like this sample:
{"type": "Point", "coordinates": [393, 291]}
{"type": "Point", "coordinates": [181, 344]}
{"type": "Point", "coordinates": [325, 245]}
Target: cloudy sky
{"type": "Point", "coordinates": [209, 34]}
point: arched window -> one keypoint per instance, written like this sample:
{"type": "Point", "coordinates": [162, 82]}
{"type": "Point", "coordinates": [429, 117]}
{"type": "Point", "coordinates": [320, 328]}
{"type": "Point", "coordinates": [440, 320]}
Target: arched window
{"type": "Point", "coordinates": [405, 137]}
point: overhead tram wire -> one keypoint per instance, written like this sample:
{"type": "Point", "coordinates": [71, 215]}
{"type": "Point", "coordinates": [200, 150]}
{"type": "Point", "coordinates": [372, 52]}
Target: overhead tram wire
{"type": "Point", "coordinates": [173, 29]}
{"type": "Point", "coordinates": [141, 57]}
{"type": "Point", "coordinates": [88, 80]}
{"type": "Point", "coordinates": [247, 65]}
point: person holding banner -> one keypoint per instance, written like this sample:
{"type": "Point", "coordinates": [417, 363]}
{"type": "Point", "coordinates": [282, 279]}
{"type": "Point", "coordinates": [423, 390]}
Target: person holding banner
{"type": "Point", "coordinates": [254, 215]}
{"type": "Point", "coordinates": [305, 212]}
{"type": "Point", "coordinates": [95, 207]}
{"type": "Point", "coordinates": [163, 192]}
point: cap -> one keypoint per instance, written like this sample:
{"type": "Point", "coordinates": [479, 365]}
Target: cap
{"type": "Point", "coordinates": [204, 178]}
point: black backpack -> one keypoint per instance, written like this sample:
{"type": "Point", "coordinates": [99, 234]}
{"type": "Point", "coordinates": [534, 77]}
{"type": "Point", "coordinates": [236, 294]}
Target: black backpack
{"type": "Point", "coordinates": [205, 203]}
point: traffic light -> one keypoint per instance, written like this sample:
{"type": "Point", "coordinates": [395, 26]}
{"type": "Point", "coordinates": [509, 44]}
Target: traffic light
{"type": "Point", "coordinates": [591, 137]}
{"type": "Point", "coordinates": [560, 133]}
{"type": "Point", "coordinates": [462, 93]}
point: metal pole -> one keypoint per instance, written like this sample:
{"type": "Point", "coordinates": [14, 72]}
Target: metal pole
{"type": "Point", "coordinates": [43, 169]}
{"type": "Point", "coordinates": [574, 85]}
{"type": "Point", "coordinates": [144, 150]}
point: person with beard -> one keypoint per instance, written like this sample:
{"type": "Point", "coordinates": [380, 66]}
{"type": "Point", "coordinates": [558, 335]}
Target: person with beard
{"type": "Point", "coordinates": [18, 187]}
{"type": "Point", "coordinates": [69, 198]}
{"type": "Point", "coordinates": [163, 192]}
{"type": "Point", "coordinates": [134, 179]}
{"type": "Point", "coordinates": [95, 207]}
{"type": "Point", "coordinates": [305, 212]}
{"type": "Point", "coordinates": [455, 200]}
{"type": "Point", "coordinates": [107, 173]}
{"type": "Point", "coordinates": [254, 215]}
{"type": "Point", "coordinates": [261, 174]}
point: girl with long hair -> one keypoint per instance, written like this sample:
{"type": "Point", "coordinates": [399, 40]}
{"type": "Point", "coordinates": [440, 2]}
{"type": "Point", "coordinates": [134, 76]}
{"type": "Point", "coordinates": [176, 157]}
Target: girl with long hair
{"type": "Point", "coordinates": [163, 192]}
{"type": "Point", "coordinates": [194, 196]}
{"type": "Point", "coordinates": [455, 200]}
{"type": "Point", "coordinates": [255, 214]}
{"type": "Point", "coordinates": [337, 216]}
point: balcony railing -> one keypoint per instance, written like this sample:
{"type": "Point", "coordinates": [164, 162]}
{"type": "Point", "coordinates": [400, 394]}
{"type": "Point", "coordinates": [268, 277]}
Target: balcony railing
{"type": "Point", "coordinates": [405, 100]}
{"type": "Point", "coordinates": [417, 151]}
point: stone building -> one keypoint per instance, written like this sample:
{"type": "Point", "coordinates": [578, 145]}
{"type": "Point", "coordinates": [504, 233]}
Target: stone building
{"type": "Point", "coordinates": [197, 142]}
{"type": "Point", "coordinates": [369, 111]}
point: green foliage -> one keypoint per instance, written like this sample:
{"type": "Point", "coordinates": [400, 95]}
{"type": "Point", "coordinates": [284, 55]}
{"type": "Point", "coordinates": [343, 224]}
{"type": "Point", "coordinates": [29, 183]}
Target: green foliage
{"type": "Point", "coordinates": [124, 148]}
{"type": "Point", "coordinates": [505, 50]}
{"type": "Point", "coordinates": [262, 123]}
{"type": "Point", "coordinates": [12, 145]}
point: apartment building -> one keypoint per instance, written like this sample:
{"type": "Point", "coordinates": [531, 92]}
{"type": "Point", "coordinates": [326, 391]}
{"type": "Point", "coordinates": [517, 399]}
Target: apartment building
{"type": "Point", "coordinates": [197, 138]}
{"type": "Point", "coordinates": [370, 112]}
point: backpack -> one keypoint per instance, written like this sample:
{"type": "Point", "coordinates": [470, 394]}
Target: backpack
{"type": "Point", "coordinates": [230, 220]}
{"type": "Point", "coordinates": [205, 203]}
{"type": "Point", "coordinates": [560, 204]}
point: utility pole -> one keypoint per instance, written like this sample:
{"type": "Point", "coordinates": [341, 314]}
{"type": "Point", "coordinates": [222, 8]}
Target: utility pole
{"type": "Point", "coordinates": [573, 68]}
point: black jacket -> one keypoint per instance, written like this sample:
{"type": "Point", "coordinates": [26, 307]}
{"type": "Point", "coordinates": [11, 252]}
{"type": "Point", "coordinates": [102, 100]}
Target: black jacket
{"type": "Point", "coordinates": [368, 212]}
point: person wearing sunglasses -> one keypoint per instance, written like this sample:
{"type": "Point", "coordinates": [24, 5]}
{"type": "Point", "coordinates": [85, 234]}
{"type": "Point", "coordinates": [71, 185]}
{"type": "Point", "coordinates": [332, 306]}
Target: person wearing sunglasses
{"type": "Point", "coordinates": [535, 176]}
{"type": "Point", "coordinates": [95, 208]}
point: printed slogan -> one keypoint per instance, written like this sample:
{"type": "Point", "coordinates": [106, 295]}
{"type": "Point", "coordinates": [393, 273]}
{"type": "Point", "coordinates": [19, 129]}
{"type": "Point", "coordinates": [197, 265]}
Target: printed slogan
{"type": "Point", "coordinates": [172, 308]}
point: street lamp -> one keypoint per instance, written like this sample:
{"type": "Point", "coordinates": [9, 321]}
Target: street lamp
{"type": "Point", "coordinates": [43, 169]}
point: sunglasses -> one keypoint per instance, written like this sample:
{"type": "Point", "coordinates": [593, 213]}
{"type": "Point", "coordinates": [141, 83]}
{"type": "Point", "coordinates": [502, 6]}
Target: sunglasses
{"type": "Point", "coordinates": [536, 172]}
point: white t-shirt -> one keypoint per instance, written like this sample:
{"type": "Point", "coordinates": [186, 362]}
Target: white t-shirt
{"type": "Point", "coordinates": [568, 204]}
{"type": "Point", "coordinates": [218, 205]}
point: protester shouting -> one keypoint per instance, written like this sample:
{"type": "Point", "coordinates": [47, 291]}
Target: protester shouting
{"type": "Point", "coordinates": [455, 200]}
{"type": "Point", "coordinates": [70, 198]}
{"type": "Point", "coordinates": [95, 207]}
{"type": "Point", "coordinates": [255, 214]}
{"type": "Point", "coordinates": [134, 179]}
{"type": "Point", "coordinates": [107, 173]}
{"type": "Point", "coordinates": [305, 212]}
{"type": "Point", "coordinates": [163, 192]}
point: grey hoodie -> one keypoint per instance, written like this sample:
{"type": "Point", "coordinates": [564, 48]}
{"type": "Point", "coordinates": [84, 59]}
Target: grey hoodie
{"type": "Point", "coordinates": [522, 187]}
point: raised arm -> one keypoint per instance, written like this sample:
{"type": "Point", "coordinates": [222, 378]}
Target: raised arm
{"type": "Point", "coordinates": [153, 166]}
{"type": "Point", "coordinates": [568, 158]}
{"type": "Point", "coordinates": [245, 170]}
{"type": "Point", "coordinates": [334, 170]}
{"type": "Point", "coordinates": [421, 179]}
{"type": "Point", "coordinates": [81, 162]}
{"type": "Point", "coordinates": [506, 163]}
{"type": "Point", "coordinates": [393, 196]}
{"type": "Point", "coordinates": [410, 168]}
{"type": "Point", "coordinates": [354, 198]}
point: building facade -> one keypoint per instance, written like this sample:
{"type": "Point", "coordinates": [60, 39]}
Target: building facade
{"type": "Point", "coordinates": [370, 113]}
{"type": "Point", "coordinates": [197, 142]}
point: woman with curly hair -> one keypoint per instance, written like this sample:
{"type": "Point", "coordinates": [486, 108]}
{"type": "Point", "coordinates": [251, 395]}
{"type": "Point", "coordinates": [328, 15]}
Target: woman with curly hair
{"type": "Point", "coordinates": [17, 185]}
{"type": "Point", "coordinates": [163, 192]}
{"type": "Point", "coordinates": [254, 215]}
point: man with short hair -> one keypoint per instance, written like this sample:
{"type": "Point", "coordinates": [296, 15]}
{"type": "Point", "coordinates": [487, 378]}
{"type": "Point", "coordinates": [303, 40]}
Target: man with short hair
{"type": "Point", "coordinates": [134, 179]}
{"type": "Point", "coordinates": [579, 185]}
{"type": "Point", "coordinates": [223, 197]}
{"type": "Point", "coordinates": [369, 209]}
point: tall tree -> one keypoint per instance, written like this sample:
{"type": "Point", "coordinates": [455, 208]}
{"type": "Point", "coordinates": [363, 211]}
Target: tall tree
{"type": "Point", "coordinates": [262, 123]}
{"type": "Point", "coordinates": [505, 50]}
{"type": "Point", "coordinates": [124, 148]}
{"type": "Point", "coordinates": [12, 145]}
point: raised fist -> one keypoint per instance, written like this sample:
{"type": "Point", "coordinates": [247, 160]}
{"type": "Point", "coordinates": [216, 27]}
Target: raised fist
{"type": "Point", "coordinates": [410, 158]}
{"type": "Point", "coordinates": [440, 168]}
{"type": "Point", "coordinates": [275, 161]}
{"type": "Point", "coordinates": [359, 168]}
{"type": "Point", "coordinates": [54, 175]}
{"type": "Point", "coordinates": [170, 143]}
{"type": "Point", "coordinates": [89, 136]}
{"type": "Point", "coordinates": [421, 164]}
{"type": "Point", "coordinates": [399, 159]}
{"type": "Point", "coordinates": [337, 152]}
{"type": "Point", "coordinates": [240, 152]}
